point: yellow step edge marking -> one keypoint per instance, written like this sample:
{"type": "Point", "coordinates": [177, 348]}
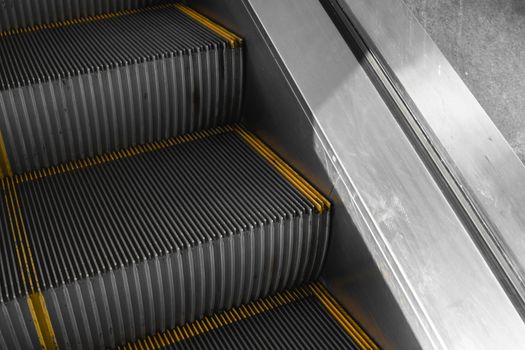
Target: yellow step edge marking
{"type": "Point", "coordinates": [35, 301]}
{"type": "Point", "coordinates": [5, 165]}
{"type": "Point", "coordinates": [233, 40]}
{"type": "Point", "coordinates": [342, 317]}
{"type": "Point", "coordinates": [42, 320]}
{"type": "Point", "coordinates": [317, 199]}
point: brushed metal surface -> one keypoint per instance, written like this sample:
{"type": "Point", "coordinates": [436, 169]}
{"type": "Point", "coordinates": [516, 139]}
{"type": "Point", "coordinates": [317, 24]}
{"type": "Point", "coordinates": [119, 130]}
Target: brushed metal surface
{"type": "Point", "coordinates": [490, 175]}
{"type": "Point", "coordinates": [436, 273]}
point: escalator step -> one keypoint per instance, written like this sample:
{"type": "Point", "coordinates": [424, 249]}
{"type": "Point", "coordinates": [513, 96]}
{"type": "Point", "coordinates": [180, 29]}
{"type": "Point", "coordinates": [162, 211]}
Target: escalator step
{"type": "Point", "coordinates": [303, 318]}
{"type": "Point", "coordinates": [16, 14]}
{"type": "Point", "coordinates": [76, 89]}
{"type": "Point", "coordinates": [141, 240]}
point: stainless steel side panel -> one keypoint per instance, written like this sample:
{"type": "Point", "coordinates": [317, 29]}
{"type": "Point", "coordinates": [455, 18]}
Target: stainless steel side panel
{"type": "Point", "coordinates": [445, 288]}
{"type": "Point", "coordinates": [470, 145]}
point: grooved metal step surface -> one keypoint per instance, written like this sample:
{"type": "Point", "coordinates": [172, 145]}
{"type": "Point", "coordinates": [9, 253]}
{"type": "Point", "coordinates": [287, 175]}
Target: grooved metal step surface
{"type": "Point", "coordinates": [141, 240]}
{"type": "Point", "coordinates": [80, 88]}
{"type": "Point", "coordinates": [303, 318]}
{"type": "Point", "coordinates": [26, 13]}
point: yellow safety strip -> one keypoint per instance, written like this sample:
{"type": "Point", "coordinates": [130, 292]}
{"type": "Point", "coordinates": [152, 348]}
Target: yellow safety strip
{"type": "Point", "coordinates": [232, 39]}
{"type": "Point", "coordinates": [314, 196]}
{"type": "Point", "coordinates": [42, 320]}
{"type": "Point", "coordinates": [35, 301]}
{"type": "Point", "coordinates": [342, 317]}
{"type": "Point", "coordinates": [5, 165]}
{"type": "Point", "coordinates": [209, 323]}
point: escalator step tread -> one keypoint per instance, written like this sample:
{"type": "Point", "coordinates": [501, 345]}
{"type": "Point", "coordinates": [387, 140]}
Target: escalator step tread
{"type": "Point", "coordinates": [296, 319]}
{"type": "Point", "coordinates": [135, 208]}
{"type": "Point", "coordinates": [76, 89]}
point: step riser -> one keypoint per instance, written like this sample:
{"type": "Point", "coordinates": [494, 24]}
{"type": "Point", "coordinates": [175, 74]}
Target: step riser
{"type": "Point", "coordinates": [24, 13]}
{"type": "Point", "coordinates": [75, 118]}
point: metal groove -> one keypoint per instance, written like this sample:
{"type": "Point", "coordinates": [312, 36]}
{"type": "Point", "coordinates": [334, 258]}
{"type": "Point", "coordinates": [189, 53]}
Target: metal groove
{"type": "Point", "coordinates": [138, 77]}
{"type": "Point", "coordinates": [295, 319]}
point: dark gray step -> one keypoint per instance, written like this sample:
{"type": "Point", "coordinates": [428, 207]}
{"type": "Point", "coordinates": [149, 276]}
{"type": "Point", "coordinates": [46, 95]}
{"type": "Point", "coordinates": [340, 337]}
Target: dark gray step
{"type": "Point", "coordinates": [26, 13]}
{"type": "Point", "coordinates": [142, 240]}
{"type": "Point", "coordinates": [100, 85]}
